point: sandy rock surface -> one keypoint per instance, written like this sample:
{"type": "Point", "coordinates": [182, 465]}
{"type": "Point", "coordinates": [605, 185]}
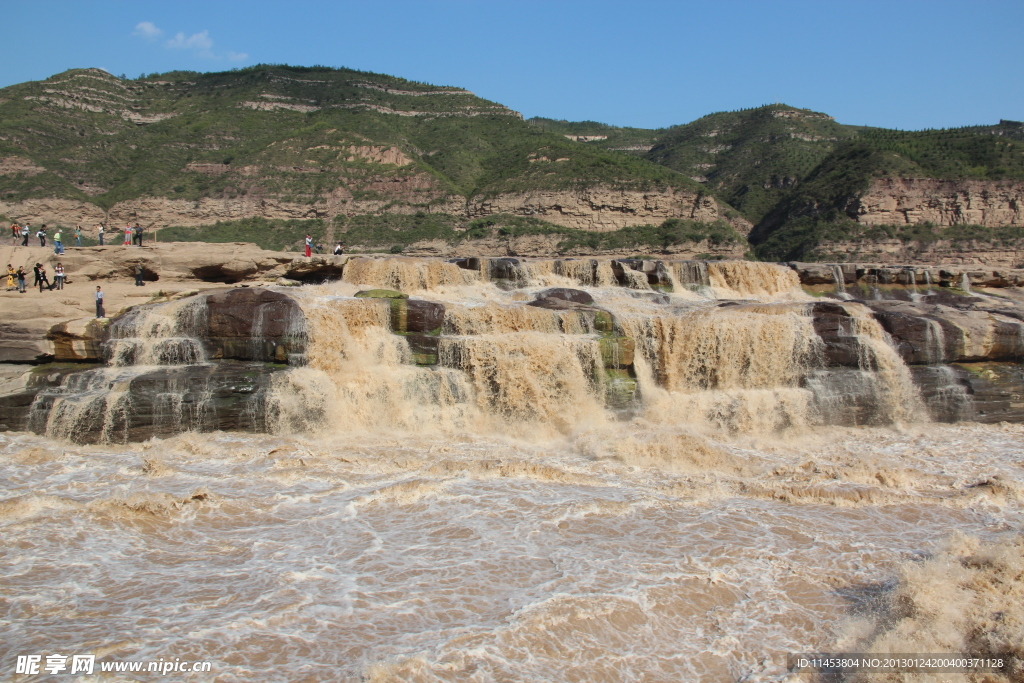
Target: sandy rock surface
{"type": "Point", "coordinates": [62, 324]}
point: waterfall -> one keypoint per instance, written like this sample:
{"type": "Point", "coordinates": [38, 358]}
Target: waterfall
{"type": "Point", "coordinates": [161, 380]}
{"type": "Point", "coordinates": [840, 280]}
{"type": "Point", "coordinates": [965, 283]}
{"type": "Point", "coordinates": [469, 349]}
{"type": "Point", "coordinates": [749, 279]}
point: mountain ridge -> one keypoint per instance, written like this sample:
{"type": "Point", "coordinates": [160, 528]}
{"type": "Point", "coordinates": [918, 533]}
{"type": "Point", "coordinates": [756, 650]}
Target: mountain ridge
{"type": "Point", "coordinates": [286, 143]}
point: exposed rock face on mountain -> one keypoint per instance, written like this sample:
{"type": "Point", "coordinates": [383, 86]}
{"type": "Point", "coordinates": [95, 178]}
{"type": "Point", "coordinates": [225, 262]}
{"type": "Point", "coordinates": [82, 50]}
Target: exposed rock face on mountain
{"type": "Point", "coordinates": [1007, 254]}
{"type": "Point", "coordinates": [601, 209]}
{"type": "Point", "coordinates": [598, 209]}
{"type": "Point", "coordinates": [895, 201]}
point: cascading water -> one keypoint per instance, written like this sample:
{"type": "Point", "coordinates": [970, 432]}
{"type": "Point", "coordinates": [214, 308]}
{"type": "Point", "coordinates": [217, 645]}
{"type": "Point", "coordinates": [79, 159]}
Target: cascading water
{"type": "Point", "coordinates": [839, 278]}
{"type": "Point", "coordinates": [159, 380]}
{"type": "Point", "coordinates": [501, 364]}
{"type": "Point", "coordinates": [965, 283]}
{"type": "Point", "coordinates": [644, 339]}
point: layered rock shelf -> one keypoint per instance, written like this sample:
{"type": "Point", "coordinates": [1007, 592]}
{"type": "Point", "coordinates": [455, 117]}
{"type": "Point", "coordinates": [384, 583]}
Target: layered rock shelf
{"type": "Point", "coordinates": [204, 355]}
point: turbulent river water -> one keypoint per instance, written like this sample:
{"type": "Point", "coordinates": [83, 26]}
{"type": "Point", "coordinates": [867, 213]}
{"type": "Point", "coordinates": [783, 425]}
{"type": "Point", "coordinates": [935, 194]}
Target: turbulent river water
{"type": "Point", "coordinates": [506, 515]}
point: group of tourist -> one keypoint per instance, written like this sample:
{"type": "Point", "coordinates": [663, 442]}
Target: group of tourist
{"type": "Point", "coordinates": [16, 278]}
{"type": "Point", "coordinates": [132, 235]}
{"type": "Point", "coordinates": [339, 248]}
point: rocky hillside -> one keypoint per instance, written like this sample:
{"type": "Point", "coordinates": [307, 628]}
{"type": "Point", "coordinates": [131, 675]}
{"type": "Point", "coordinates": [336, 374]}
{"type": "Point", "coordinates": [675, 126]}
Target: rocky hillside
{"type": "Point", "coordinates": [269, 153]}
{"type": "Point", "coordinates": [819, 190]}
{"type": "Point", "coordinates": [288, 143]}
{"type": "Point", "coordinates": [963, 185]}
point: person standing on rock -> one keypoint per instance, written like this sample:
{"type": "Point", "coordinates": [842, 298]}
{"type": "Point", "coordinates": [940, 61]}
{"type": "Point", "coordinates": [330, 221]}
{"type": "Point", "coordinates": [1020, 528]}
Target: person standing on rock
{"type": "Point", "coordinates": [58, 276]}
{"type": "Point", "coordinates": [78, 235]}
{"type": "Point", "coordinates": [99, 232]}
{"type": "Point", "coordinates": [15, 234]}
{"type": "Point", "coordinates": [138, 275]}
{"type": "Point", "coordinates": [309, 246]}
{"type": "Point", "coordinates": [24, 235]}
{"type": "Point", "coordinates": [128, 235]}
{"type": "Point", "coordinates": [11, 275]}
{"type": "Point", "coordinates": [21, 279]}
{"type": "Point", "coordinates": [138, 234]}
{"type": "Point", "coordinates": [35, 275]}
{"type": "Point", "coordinates": [58, 245]}
{"type": "Point", "coordinates": [43, 279]}
{"type": "Point", "coordinates": [42, 235]}
{"type": "Point", "coordinates": [100, 313]}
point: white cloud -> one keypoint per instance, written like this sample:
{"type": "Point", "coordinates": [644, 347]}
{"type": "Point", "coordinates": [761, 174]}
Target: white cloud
{"type": "Point", "coordinates": [148, 30]}
{"type": "Point", "coordinates": [201, 44]}
{"type": "Point", "coordinates": [197, 41]}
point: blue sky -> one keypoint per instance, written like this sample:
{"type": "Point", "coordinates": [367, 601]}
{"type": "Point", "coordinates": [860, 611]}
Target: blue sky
{"type": "Point", "coordinates": [907, 64]}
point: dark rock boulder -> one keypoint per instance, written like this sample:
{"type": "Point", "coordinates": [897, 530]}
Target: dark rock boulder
{"type": "Point", "coordinates": [423, 347]}
{"type": "Point", "coordinates": [472, 263]}
{"type": "Point", "coordinates": [380, 294]}
{"type": "Point", "coordinates": [505, 271]}
{"type": "Point", "coordinates": [20, 385]}
{"type": "Point", "coordinates": [815, 273]}
{"type": "Point", "coordinates": [316, 269]}
{"type": "Point", "coordinates": [920, 338]}
{"type": "Point", "coordinates": [416, 316]}
{"type": "Point", "coordinates": [596, 318]}
{"type": "Point", "coordinates": [158, 402]}
{"type": "Point", "coordinates": [253, 324]}
{"type": "Point", "coordinates": [925, 333]}
{"type": "Point", "coordinates": [566, 294]}
{"type": "Point", "coordinates": [976, 392]}
{"type": "Point", "coordinates": [656, 273]}
{"type": "Point", "coordinates": [837, 330]}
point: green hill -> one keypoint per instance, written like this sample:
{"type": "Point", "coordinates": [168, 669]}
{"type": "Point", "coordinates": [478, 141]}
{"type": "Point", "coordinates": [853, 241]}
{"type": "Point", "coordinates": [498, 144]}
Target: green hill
{"type": "Point", "coordinates": [751, 158]}
{"type": "Point", "coordinates": [270, 152]}
{"type": "Point", "coordinates": [824, 206]}
{"type": "Point", "coordinates": [292, 132]}
{"type": "Point", "coordinates": [632, 141]}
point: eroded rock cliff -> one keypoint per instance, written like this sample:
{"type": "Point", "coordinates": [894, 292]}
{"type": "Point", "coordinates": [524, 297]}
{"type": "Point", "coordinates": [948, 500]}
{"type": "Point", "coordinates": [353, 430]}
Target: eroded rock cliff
{"type": "Point", "coordinates": [601, 209]}
{"type": "Point", "coordinates": [898, 201]}
{"type": "Point", "coordinates": [596, 209]}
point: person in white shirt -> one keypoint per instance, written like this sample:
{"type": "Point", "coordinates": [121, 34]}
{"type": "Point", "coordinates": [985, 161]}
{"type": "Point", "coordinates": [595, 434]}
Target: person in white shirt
{"type": "Point", "coordinates": [100, 313]}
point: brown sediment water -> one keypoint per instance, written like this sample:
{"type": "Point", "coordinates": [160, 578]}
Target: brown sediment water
{"type": "Point", "coordinates": [501, 515]}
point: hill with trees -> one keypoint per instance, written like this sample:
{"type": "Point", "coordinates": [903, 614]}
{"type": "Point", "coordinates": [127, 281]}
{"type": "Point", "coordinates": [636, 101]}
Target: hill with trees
{"type": "Point", "coordinates": [270, 152]}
